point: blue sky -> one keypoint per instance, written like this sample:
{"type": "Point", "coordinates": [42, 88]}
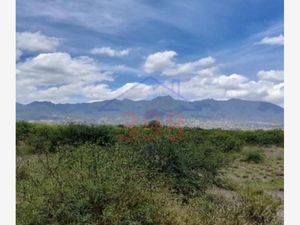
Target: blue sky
{"type": "Point", "coordinates": [80, 51]}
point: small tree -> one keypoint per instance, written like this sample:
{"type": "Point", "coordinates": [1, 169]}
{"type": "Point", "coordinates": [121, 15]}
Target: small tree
{"type": "Point", "coordinates": [154, 124]}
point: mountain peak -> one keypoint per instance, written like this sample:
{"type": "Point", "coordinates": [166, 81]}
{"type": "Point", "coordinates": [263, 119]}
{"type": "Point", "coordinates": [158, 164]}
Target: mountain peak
{"type": "Point", "coordinates": [207, 111]}
{"type": "Point", "coordinates": [41, 102]}
{"type": "Point", "coordinates": [165, 97]}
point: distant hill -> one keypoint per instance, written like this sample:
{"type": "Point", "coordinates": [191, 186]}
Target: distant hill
{"type": "Point", "coordinates": [234, 113]}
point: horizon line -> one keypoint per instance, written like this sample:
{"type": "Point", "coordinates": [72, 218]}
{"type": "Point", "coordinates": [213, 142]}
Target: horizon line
{"type": "Point", "coordinates": [148, 100]}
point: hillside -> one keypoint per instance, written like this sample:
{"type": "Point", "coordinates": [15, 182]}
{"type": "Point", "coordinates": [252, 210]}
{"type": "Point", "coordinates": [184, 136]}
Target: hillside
{"type": "Point", "coordinates": [196, 113]}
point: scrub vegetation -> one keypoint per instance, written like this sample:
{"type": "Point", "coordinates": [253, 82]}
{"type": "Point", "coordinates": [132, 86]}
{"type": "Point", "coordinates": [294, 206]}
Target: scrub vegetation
{"type": "Point", "coordinates": [151, 174]}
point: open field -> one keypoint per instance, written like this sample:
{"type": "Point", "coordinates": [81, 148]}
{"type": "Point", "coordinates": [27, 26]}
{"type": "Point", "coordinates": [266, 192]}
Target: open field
{"type": "Point", "coordinates": [80, 174]}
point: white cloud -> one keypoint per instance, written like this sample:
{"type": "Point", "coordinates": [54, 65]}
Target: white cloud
{"type": "Point", "coordinates": [229, 82]}
{"type": "Point", "coordinates": [189, 67]}
{"type": "Point", "coordinates": [60, 68]}
{"type": "Point", "coordinates": [205, 80]}
{"type": "Point", "coordinates": [134, 91]}
{"type": "Point", "coordinates": [36, 42]}
{"type": "Point", "coordinates": [165, 63]}
{"type": "Point", "coordinates": [110, 52]}
{"type": "Point", "coordinates": [216, 86]}
{"type": "Point", "coordinates": [271, 75]}
{"type": "Point", "coordinates": [19, 53]}
{"type": "Point", "coordinates": [57, 77]}
{"type": "Point", "coordinates": [224, 87]}
{"type": "Point", "coordinates": [278, 40]}
{"type": "Point", "coordinates": [159, 61]}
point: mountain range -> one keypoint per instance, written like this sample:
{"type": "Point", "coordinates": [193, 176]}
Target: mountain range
{"type": "Point", "coordinates": [233, 113]}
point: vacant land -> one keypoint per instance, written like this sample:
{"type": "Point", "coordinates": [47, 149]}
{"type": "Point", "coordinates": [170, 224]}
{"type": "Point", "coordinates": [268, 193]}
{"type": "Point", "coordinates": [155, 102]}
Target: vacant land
{"type": "Point", "coordinates": [152, 174]}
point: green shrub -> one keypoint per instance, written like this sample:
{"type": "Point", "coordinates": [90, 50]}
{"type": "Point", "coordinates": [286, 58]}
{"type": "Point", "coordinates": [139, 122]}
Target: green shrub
{"type": "Point", "coordinates": [263, 138]}
{"type": "Point", "coordinates": [252, 207]}
{"type": "Point", "coordinates": [83, 175]}
{"type": "Point", "coordinates": [255, 156]}
{"type": "Point", "coordinates": [46, 138]}
{"type": "Point", "coordinates": [78, 134]}
{"type": "Point", "coordinates": [23, 129]}
{"type": "Point", "coordinates": [87, 185]}
{"type": "Point", "coordinates": [153, 124]}
{"type": "Point", "coordinates": [259, 208]}
{"type": "Point", "coordinates": [224, 141]}
{"type": "Point", "coordinates": [190, 168]}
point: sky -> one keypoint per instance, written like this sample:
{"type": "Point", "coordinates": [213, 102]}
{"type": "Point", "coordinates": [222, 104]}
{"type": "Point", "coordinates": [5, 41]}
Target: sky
{"type": "Point", "coordinates": [85, 51]}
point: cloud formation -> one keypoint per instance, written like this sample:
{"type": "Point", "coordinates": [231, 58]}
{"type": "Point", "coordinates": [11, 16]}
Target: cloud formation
{"type": "Point", "coordinates": [110, 29]}
{"type": "Point", "coordinates": [57, 77]}
{"type": "Point", "coordinates": [271, 75]}
{"type": "Point", "coordinates": [19, 53]}
{"type": "Point", "coordinates": [165, 63]}
{"type": "Point", "coordinates": [206, 81]}
{"type": "Point", "coordinates": [224, 87]}
{"type": "Point", "coordinates": [108, 51]}
{"type": "Point", "coordinates": [277, 40]}
{"type": "Point", "coordinates": [36, 42]}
